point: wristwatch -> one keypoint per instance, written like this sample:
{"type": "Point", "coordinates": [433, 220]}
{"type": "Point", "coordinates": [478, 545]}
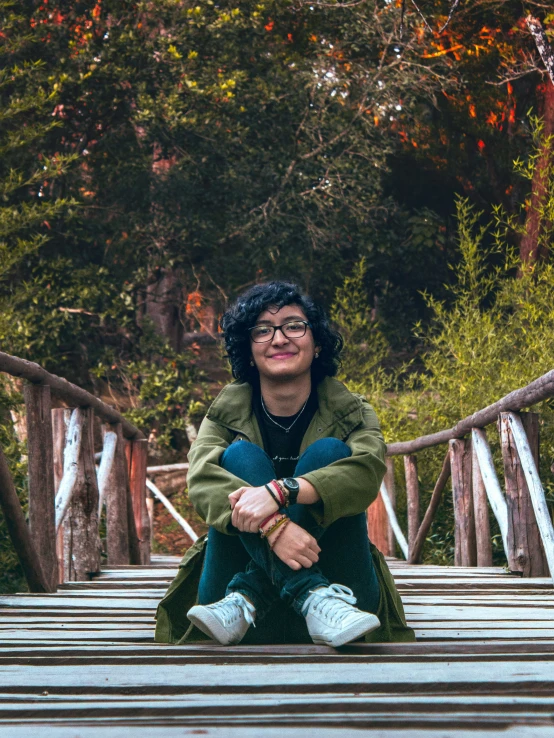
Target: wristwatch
{"type": "Point", "coordinates": [293, 488]}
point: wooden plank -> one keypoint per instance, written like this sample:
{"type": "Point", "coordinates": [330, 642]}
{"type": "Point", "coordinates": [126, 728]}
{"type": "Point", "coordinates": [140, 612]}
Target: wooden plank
{"type": "Point", "coordinates": [41, 479]}
{"type": "Point", "coordinates": [443, 676]}
{"type": "Point", "coordinates": [465, 553]}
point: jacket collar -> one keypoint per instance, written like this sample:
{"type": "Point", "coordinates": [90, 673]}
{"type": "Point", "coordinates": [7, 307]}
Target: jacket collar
{"type": "Point", "coordinates": [232, 408]}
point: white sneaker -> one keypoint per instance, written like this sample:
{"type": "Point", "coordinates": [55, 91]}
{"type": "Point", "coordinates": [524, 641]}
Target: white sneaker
{"type": "Point", "coordinates": [333, 620]}
{"type": "Point", "coordinates": [225, 621]}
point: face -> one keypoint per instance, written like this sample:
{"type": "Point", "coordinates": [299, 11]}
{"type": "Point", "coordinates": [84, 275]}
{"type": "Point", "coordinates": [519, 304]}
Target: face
{"type": "Point", "coordinates": [283, 358]}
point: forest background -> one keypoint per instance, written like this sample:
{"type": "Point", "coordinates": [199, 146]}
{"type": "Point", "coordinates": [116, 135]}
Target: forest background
{"type": "Point", "coordinates": [156, 158]}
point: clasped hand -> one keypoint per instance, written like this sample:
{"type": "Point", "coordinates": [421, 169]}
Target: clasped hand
{"type": "Point", "coordinates": [295, 546]}
{"type": "Point", "coordinates": [251, 506]}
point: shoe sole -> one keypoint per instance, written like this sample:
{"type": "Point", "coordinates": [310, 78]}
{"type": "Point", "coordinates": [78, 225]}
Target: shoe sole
{"type": "Point", "coordinates": [209, 625]}
{"type": "Point", "coordinates": [357, 630]}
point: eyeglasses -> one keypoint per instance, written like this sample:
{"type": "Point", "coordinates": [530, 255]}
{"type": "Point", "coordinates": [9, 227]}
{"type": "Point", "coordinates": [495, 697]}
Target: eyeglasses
{"type": "Point", "coordinates": [265, 333]}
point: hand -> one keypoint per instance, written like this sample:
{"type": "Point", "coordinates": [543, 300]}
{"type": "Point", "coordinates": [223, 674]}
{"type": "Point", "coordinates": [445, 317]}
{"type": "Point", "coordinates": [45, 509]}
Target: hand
{"type": "Point", "coordinates": [250, 506]}
{"type": "Point", "coordinates": [295, 547]}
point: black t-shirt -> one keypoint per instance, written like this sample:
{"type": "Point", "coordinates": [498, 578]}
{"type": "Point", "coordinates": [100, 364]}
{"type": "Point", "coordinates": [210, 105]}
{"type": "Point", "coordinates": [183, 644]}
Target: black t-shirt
{"type": "Point", "coordinates": [283, 446]}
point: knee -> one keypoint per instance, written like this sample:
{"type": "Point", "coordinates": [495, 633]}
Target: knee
{"type": "Point", "coordinates": [332, 449]}
{"type": "Point", "coordinates": [240, 453]}
{"type": "Point", "coordinates": [322, 453]}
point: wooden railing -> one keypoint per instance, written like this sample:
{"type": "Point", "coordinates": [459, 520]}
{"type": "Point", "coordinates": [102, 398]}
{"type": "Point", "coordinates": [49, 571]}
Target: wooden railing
{"type": "Point", "coordinates": [66, 495]}
{"type": "Point", "coordinates": [522, 512]}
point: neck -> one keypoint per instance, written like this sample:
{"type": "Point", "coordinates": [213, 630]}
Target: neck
{"type": "Point", "coordinates": [286, 398]}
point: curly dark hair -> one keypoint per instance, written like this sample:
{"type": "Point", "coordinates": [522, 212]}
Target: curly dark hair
{"type": "Point", "coordinates": [243, 313]}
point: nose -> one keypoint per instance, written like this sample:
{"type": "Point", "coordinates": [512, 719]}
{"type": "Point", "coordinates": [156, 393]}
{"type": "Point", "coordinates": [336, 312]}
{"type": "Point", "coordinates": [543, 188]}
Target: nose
{"type": "Point", "coordinates": [279, 337]}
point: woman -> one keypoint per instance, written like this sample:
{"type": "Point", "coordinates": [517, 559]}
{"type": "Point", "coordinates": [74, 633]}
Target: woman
{"type": "Point", "coordinates": [286, 462]}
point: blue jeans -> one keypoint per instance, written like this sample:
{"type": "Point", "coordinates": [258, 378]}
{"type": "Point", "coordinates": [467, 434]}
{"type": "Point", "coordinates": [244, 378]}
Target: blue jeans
{"type": "Point", "coordinates": [245, 563]}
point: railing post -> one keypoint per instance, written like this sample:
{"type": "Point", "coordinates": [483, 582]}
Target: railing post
{"type": "Point", "coordinates": [481, 513]}
{"type": "Point", "coordinates": [82, 541]}
{"type": "Point", "coordinates": [412, 498]}
{"type": "Point", "coordinates": [465, 553]}
{"type": "Point", "coordinates": [19, 532]}
{"type": "Point", "coordinates": [117, 495]}
{"type": "Point", "coordinates": [525, 549]}
{"type": "Point", "coordinates": [41, 479]}
{"type": "Point", "coordinates": [137, 457]}
{"type": "Point", "coordinates": [379, 529]}
{"type": "Point", "coordinates": [60, 420]}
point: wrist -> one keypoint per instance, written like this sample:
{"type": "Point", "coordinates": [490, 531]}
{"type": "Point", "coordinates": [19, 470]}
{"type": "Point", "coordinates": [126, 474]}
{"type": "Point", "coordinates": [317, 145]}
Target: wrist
{"type": "Point", "coordinates": [271, 524]}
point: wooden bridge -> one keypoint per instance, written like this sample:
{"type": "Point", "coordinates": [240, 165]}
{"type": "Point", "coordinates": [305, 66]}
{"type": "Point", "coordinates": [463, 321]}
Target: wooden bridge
{"type": "Point", "coordinates": [77, 656]}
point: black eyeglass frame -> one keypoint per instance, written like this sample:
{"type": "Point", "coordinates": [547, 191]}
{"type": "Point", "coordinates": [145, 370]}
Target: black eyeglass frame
{"type": "Point", "coordinates": [275, 328]}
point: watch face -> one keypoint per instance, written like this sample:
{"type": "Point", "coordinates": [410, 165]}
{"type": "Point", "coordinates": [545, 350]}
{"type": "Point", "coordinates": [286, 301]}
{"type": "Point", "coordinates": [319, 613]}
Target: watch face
{"type": "Point", "coordinates": [291, 484]}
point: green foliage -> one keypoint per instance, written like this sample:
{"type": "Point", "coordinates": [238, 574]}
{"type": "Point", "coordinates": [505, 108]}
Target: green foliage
{"type": "Point", "coordinates": [159, 390]}
{"type": "Point", "coordinates": [365, 346]}
{"type": "Point", "coordinates": [493, 335]}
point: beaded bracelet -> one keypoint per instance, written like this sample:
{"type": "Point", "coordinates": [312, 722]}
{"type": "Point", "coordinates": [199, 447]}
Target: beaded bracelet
{"type": "Point", "coordinates": [277, 522]}
{"type": "Point", "coordinates": [279, 534]}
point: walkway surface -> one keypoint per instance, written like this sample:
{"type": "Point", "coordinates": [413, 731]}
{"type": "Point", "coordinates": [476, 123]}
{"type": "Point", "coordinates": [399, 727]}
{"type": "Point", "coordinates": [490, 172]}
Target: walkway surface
{"type": "Point", "coordinates": [82, 663]}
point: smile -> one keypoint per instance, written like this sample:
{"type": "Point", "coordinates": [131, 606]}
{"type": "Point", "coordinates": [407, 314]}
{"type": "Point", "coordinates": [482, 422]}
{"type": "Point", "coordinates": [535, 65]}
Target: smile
{"type": "Point", "coordinates": [287, 355]}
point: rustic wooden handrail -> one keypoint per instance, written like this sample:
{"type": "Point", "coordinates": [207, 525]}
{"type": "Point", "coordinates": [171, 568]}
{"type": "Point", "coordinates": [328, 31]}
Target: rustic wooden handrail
{"type": "Point", "coordinates": [71, 394]}
{"type": "Point", "coordinates": [522, 514]}
{"type": "Point", "coordinates": [538, 390]}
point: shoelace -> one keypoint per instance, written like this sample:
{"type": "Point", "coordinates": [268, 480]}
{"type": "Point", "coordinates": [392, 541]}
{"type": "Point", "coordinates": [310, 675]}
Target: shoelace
{"type": "Point", "coordinates": [331, 601]}
{"type": "Point", "coordinates": [227, 608]}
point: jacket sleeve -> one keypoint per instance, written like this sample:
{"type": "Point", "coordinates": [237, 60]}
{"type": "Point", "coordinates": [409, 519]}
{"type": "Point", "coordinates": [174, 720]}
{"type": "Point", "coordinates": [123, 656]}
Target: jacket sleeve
{"type": "Point", "coordinates": [349, 486]}
{"type": "Point", "coordinates": [208, 483]}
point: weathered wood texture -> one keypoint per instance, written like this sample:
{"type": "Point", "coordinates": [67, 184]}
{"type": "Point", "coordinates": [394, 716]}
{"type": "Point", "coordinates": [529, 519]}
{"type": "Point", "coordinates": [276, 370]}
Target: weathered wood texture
{"type": "Point", "coordinates": [539, 389]}
{"type": "Point", "coordinates": [83, 663]}
{"type": "Point", "coordinates": [465, 553]}
{"type": "Point", "coordinates": [412, 498]}
{"type": "Point", "coordinates": [481, 514]}
{"type": "Point", "coordinates": [18, 531]}
{"type": "Point", "coordinates": [60, 421]}
{"type": "Point", "coordinates": [71, 394]}
{"type": "Point", "coordinates": [543, 516]}
{"type": "Point", "coordinates": [117, 504]}
{"type": "Point", "coordinates": [525, 550]}
{"type": "Point", "coordinates": [378, 525]}
{"type": "Point", "coordinates": [137, 456]}
{"type": "Point", "coordinates": [415, 553]}
{"type": "Point", "coordinates": [82, 541]}
{"type": "Point", "coordinates": [490, 480]}
{"type": "Point", "coordinates": [40, 448]}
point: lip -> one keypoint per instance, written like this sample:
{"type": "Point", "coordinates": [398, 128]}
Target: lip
{"type": "Point", "coordinates": [283, 355]}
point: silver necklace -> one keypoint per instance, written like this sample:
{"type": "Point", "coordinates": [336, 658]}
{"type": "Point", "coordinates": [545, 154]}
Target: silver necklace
{"type": "Point", "coordinates": [279, 424]}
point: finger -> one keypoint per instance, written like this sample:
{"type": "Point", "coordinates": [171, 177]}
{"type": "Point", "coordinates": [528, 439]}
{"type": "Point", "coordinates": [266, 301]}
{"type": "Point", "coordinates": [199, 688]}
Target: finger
{"type": "Point", "coordinates": [293, 564]}
{"type": "Point", "coordinates": [310, 554]}
{"type": "Point", "coordinates": [304, 561]}
{"type": "Point", "coordinates": [314, 547]}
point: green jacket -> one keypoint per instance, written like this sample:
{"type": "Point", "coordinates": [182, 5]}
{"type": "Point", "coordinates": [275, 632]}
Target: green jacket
{"type": "Point", "coordinates": [346, 487]}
